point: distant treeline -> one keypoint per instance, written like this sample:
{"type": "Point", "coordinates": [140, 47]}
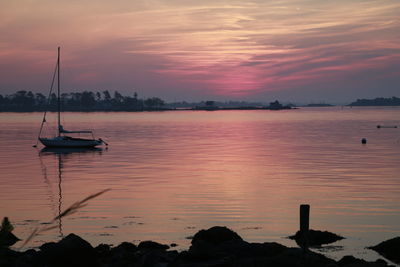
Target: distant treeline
{"type": "Point", "coordinates": [27, 101]}
{"type": "Point", "coordinates": [380, 101]}
{"type": "Point", "coordinates": [83, 101]}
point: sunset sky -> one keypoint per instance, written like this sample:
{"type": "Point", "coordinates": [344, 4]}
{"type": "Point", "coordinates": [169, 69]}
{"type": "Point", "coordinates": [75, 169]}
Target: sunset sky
{"type": "Point", "coordinates": [301, 51]}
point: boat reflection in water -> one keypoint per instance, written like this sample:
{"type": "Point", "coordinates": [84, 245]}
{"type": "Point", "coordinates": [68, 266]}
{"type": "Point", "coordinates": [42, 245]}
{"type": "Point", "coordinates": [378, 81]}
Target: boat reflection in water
{"type": "Point", "coordinates": [61, 155]}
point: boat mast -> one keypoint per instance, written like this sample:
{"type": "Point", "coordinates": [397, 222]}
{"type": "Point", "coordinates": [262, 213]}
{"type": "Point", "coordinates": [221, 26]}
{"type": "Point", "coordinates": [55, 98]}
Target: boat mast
{"type": "Point", "coordinates": [58, 91]}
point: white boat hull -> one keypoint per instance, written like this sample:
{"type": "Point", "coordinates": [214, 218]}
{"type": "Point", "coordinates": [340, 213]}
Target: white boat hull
{"type": "Point", "coordinates": [63, 141]}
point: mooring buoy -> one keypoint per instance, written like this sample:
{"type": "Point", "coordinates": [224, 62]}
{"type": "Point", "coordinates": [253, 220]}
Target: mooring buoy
{"type": "Point", "coordinates": [388, 126]}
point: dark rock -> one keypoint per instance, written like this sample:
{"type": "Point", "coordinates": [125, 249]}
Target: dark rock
{"type": "Point", "coordinates": [265, 249]}
{"type": "Point", "coordinates": [382, 262]}
{"type": "Point", "coordinates": [316, 238]}
{"type": "Point", "coordinates": [390, 249]}
{"type": "Point", "coordinates": [122, 255]}
{"type": "Point", "coordinates": [70, 251]}
{"type": "Point", "coordinates": [220, 246]}
{"type": "Point", "coordinates": [151, 245]}
{"type": "Point", "coordinates": [350, 261]}
{"type": "Point", "coordinates": [103, 249]}
{"type": "Point", "coordinates": [159, 258]}
{"type": "Point", "coordinates": [216, 235]}
{"type": "Point", "coordinates": [222, 262]}
{"type": "Point", "coordinates": [30, 252]}
{"type": "Point", "coordinates": [26, 259]}
{"type": "Point", "coordinates": [7, 239]}
{"type": "Point", "coordinates": [296, 257]}
{"type": "Point", "coordinates": [8, 257]}
{"type": "Point", "coordinates": [127, 246]}
{"type": "Point", "coordinates": [203, 251]}
{"type": "Point", "coordinates": [215, 247]}
{"type": "Point", "coordinates": [47, 246]}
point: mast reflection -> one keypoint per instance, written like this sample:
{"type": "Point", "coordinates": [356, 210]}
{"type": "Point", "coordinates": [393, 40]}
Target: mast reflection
{"type": "Point", "coordinates": [62, 155]}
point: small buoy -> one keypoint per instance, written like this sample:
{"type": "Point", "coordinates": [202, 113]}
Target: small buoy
{"type": "Point", "coordinates": [364, 141]}
{"type": "Point", "coordinates": [383, 126]}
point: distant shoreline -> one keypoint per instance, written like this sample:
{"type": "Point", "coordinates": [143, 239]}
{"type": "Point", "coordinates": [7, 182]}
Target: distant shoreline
{"type": "Point", "coordinates": [147, 110]}
{"type": "Point", "coordinates": [86, 101]}
{"type": "Point", "coordinates": [377, 102]}
{"type": "Point", "coordinates": [207, 107]}
{"type": "Point", "coordinates": [190, 109]}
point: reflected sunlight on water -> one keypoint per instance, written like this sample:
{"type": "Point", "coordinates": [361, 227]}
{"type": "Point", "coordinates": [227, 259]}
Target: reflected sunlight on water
{"type": "Point", "coordinates": [174, 173]}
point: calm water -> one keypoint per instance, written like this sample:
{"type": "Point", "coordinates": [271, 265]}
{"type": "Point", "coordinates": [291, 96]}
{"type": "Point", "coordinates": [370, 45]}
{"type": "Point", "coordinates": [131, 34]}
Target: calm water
{"type": "Point", "coordinates": [174, 173]}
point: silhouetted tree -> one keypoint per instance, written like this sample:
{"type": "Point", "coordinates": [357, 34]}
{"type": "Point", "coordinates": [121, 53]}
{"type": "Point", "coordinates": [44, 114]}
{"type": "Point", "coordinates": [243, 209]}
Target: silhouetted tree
{"type": "Point", "coordinates": [53, 101]}
{"type": "Point", "coordinates": [118, 98]}
{"type": "Point", "coordinates": [40, 100]}
{"type": "Point", "coordinates": [107, 96]}
{"type": "Point", "coordinates": [88, 99]}
{"type": "Point", "coordinates": [275, 105]}
{"type": "Point", "coordinates": [210, 103]}
{"type": "Point", "coordinates": [98, 97]}
{"type": "Point", "coordinates": [23, 100]}
{"type": "Point", "coordinates": [154, 102]}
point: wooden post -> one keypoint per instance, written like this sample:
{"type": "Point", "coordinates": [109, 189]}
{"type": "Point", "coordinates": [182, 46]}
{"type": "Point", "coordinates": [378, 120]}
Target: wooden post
{"type": "Point", "coordinates": [304, 225]}
{"type": "Point", "coordinates": [304, 217]}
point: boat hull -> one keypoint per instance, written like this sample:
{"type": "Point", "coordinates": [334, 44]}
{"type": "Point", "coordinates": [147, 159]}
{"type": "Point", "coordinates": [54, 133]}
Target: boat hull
{"type": "Point", "coordinates": [69, 142]}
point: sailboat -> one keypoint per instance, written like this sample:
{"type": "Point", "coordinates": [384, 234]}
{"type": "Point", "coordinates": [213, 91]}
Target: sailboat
{"type": "Point", "coordinates": [62, 139]}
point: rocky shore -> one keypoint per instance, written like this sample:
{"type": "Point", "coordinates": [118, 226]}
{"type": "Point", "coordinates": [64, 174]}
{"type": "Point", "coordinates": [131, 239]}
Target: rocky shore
{"type": "Point", "coordinates": [215, 247]}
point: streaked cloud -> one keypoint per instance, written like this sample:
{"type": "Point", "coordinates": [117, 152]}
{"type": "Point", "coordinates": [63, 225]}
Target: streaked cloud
{"type": "Point", "coordinates": [189, 49]}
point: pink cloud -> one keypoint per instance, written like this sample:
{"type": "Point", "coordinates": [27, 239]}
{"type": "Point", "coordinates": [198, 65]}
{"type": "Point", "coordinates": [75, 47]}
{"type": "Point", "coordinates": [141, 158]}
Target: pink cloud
{"type": "Point", "coordinates": [196, 49]}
